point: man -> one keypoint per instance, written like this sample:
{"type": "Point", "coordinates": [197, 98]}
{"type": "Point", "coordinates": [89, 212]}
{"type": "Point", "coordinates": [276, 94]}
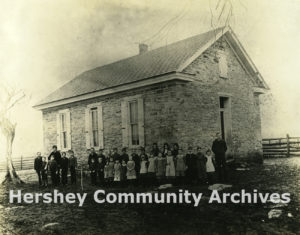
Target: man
{"type": "Point", "coordinates": [38, 166]}
{"type": "Point", "coordinates": [101, 155]}
{"type": "Point", "coordinates": [116, 156]}
{"type": "Point", "coordinates": [93, 155]}
{"type": "Point", "coordinates": [219, 148]}
{"type": "Point", "coordinates": [124, 156]}
{"type": "Point", "coordinates": [57, 157]}
{"type": "Point", "coordinates": [64, 168]}
{"type": "Point", "coordinates": [56, 154]}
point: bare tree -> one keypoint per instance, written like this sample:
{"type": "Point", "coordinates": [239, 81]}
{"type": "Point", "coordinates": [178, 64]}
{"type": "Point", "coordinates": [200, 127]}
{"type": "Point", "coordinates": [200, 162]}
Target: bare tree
{"type": "Point", "coordinates": [10, 98]}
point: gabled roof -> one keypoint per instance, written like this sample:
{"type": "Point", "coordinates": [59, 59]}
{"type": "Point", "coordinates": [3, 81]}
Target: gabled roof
{"type": "Point", "coordinates": [161, 61]}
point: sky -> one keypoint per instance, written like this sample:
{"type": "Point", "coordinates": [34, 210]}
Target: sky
{"type": "Point", "coordinates": [45, 44]}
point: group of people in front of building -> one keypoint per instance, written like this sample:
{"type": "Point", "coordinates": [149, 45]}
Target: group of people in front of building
{"type": "Point", "coordinates": [58, 166]}
{"type": "Point", "coordinates": [166, 165]}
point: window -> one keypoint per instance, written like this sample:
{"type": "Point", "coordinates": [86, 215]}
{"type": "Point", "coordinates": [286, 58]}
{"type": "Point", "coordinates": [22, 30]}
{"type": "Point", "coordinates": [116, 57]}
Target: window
{"type": "Point", "coordinates": [95, 132]}
{"type": "Point", "coordinates": [133, 121]}
{"type": "Point", "coordinates": [64, 129]}
{"type": "Point", "coordinates": [132, 110]}
{"type": "Point", "coordinates": [94, 125]}
{"type": "Point", "coordinates": [223, 66]}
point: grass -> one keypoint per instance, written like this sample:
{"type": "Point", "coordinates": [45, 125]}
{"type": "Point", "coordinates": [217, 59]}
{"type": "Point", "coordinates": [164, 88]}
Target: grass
{"type": "Point", "coordinates": [275, 176]}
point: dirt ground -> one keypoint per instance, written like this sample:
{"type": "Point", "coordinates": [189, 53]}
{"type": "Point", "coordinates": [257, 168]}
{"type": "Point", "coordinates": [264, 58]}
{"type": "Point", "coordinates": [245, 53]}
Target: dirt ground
{"type": "Point", "coordinates": [277, 175]}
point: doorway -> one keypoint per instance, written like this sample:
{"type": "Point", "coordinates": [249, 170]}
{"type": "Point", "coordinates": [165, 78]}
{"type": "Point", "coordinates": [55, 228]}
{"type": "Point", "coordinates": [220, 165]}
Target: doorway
{"type": "Point", "coordinates": [225, 117]}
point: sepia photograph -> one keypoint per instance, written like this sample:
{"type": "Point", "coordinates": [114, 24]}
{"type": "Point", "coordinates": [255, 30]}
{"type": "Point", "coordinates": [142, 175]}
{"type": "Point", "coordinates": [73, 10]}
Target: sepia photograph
{"type": "Point", "coordinates": [150, 117]}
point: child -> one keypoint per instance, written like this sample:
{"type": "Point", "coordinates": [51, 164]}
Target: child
{"type": "Point", "coordinates": [210, 168]}
{"type": "Point", "coordinates": [191, 163]}
{"type": "Point", "coordinates": [101, 170]}
{"type": "Point", "coordinates": [143, 170]}
{"type": "Point", "coordinates": [64, 164]}
{"type": "Point", "coordinates": [117, 172]}
{"type": "Point", "coordinates": [93, 169]}
{"type": "Point", "coordinates": [38, 162]}
{"type": "Point", "coordinates": [123, 172]}
{"type": "Point", "coordinates": [53, 169]}
{"type": "Point", "coordinates": [201, 166]}
{"type": "Point", "coordinates": [180, 166]}
{"type": "Point", "coordinates": [161, 168]}
{"type": "Point", "coordinates": [72, 166]}
{"type": "Point", "coordinates": [175, 150]}
{"type": "Point", "coordinates": [131, 174]}
{"type": "Point", "coordinates": [170, 167]}
{"type": "Point", "coordinates": [111, 165]}
{"type": "Point", "coordinates": [44, 172]}
{"type": "Point", "coordinates": [165, 149]}
{"type": "Point", "coordinates": [106, 167]}
{"type": "Point", "coordinates": [152, 168]}
{"type": "Point", "coordinates": [137, 162]}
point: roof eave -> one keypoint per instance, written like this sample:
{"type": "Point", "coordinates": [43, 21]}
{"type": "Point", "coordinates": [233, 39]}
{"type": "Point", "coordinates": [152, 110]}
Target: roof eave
{"type": "Point", "coordinates": [124, 87]}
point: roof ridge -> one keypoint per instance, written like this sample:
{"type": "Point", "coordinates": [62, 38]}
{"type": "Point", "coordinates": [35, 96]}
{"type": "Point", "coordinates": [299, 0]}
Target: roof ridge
{"type": "Point", "coordinates": [153, 50]}
{"type": "Point", "coordinates": [155, 62]}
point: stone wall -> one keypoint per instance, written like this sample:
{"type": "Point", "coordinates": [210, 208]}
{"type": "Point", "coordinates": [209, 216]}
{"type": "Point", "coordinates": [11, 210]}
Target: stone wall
{"type": "Point", "coordinates": [183, 112]}
{"type": "Point", "coordinates": [200, 106]}
{"type": "Point", "coordinates": [160, 108]}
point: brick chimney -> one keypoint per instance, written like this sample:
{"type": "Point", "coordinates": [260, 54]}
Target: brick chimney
{"type": "Point", "coordinates": [143, 48]}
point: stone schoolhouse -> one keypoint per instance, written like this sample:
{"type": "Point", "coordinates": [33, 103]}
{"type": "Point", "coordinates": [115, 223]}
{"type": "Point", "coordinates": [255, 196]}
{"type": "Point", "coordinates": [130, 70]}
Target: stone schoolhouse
{"type": "Point", "coordinates": [182, 93]}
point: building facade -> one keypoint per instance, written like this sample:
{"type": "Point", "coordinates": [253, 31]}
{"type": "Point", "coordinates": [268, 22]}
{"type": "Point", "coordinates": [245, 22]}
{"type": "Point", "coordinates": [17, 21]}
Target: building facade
{"type": "Point", "coordinates": [212, 86]}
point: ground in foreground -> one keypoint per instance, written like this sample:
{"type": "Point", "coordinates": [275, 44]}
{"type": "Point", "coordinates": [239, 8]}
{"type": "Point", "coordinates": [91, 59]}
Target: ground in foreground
{"type": "Point", "coordinates": [281, 175]}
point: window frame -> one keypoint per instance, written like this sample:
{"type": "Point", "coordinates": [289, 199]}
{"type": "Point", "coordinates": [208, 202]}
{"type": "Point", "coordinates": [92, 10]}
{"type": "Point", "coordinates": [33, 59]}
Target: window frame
{"type": "Point", "coordinates": [133, 123]}
{"type": "Point", "coordinates": [126, 125]}
{"type": "Point", "coordinates": [64, 130]}
{"type": "Point", "coordinates": [99, 111]}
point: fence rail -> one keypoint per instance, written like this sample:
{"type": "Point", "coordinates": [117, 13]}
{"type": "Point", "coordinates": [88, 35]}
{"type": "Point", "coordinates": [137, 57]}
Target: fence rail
{"type": "Point", "coordinates": [22, 163]}
{"type": "Point", "coordinates": [281, 147]}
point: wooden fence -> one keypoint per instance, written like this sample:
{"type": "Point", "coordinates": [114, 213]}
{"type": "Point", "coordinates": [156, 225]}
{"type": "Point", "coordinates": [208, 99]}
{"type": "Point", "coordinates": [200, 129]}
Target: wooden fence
{"type": "Point", "coordinates": [22, 163]}
{"type": "Point", "coordinates": [281, 147]}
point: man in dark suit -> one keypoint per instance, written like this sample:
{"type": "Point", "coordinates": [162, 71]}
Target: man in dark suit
{"type": "Point", "coordinates": [124, 156]}
{"type": "Point", "coordinates": [116, 156]}
{"type": "Point", "coordinates": [93, 155]}
{"type": "Point", "coordinates": [57, 157]}
{"type": "Point", "coordinates": [219, 148]}
{"type": "Point", "coordinates": [38, 165]}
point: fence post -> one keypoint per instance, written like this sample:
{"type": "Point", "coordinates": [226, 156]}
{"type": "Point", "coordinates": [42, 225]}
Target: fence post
{"type": "Point", "coordinates": [288, 145]}
{"type": "Point", "coordinates": [21, 162]}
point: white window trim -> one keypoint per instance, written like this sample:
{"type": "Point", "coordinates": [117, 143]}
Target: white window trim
{"type": "Point", "coordinates": [126, 130]}
{"type": "Point", "coordinates": [88, 121]}
{"type": "Point", "coordinates": [68, 129]}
